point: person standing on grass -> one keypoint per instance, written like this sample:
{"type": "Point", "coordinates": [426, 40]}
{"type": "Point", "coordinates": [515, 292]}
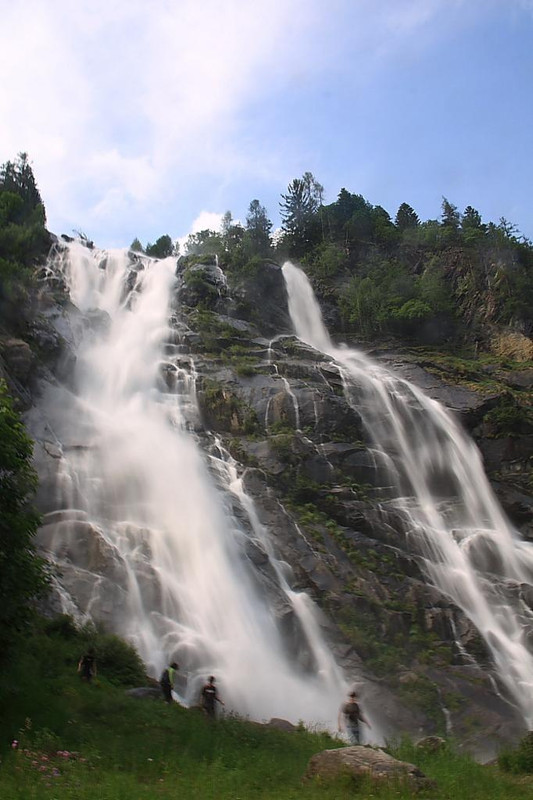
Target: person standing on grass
{"type": "Point", "coordinates": [87, 666]}
{"type": "Point", "coordinates": [210, 696]}
{"type": "Point", "coordinates": [350, 715]}
{"type": "Point", "coordinates": [167, 681]}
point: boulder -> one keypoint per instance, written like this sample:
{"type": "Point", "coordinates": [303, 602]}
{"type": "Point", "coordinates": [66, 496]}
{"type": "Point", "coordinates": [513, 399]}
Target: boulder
{"type": "Point", "coordinates": [281, 724]}
{"type": "Point", "coordinates": [366, 762]}
{"type": "Point", "coordinates": [431, 744]}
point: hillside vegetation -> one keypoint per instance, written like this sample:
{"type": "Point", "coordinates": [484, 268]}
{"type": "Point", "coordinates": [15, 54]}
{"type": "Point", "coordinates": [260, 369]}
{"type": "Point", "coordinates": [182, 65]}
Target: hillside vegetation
{"type": "Point", "coordinates": [455, 279]}
{"type": "Point", "coordinates": [62, 738]}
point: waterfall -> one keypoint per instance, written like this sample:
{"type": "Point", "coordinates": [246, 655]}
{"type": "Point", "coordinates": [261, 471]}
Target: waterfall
{"type": "Point", "coordinates": [142, 525]}
{"type": "Point", "coordinates": [469, 550]}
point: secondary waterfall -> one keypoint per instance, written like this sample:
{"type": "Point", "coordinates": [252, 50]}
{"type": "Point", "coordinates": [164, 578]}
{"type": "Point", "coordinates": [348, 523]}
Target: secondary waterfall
{"type": "Point", "coordinates": [142, 525]}
{"type": "Point", "coordinates": [469, 549]}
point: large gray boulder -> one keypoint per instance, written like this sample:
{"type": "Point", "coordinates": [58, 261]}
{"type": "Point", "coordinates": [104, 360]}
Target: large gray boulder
{"type": "Point", "coordinates": [366, 762]}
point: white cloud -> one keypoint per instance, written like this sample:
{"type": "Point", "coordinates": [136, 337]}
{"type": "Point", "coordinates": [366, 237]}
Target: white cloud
{"type": "Point", "coordinates": [121, 103]}
{"type": "Point", "coordinates": [110, 98]}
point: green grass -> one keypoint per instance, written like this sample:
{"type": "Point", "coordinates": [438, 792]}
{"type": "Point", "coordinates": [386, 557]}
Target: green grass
{"type": "Point", "coordinates": [93, 742]}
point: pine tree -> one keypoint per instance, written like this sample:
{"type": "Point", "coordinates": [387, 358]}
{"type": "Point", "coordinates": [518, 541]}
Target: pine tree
{"type": "Point", "coordinates": [471, 218]}
{"type": "Point", "coordinates": [406, 217]}
{"type": "Point", "coordinates": [162, 248]}
{"type": "Point", "coordinates": [17, 177]}
{"type": "Point", "coordinates": [258, 229]}
{"type": "Point", "coordinates": [450, 215]}
{"type": "Point", "coordinates": [298, 210]}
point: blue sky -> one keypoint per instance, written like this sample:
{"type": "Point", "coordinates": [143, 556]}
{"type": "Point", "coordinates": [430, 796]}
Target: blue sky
{"type": "Point", "coordinates": [144, 117]}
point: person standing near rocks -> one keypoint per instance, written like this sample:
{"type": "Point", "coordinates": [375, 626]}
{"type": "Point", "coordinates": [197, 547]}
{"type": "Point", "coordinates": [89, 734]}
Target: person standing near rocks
{"type": "Point", "coordinates": [87, 666]}
{"type": "Point", "coordinates": [209, 697]}
{"type": "Point", "coordinates": [167, 681]}
{"type": "Point", "coordinates": [350, 715]}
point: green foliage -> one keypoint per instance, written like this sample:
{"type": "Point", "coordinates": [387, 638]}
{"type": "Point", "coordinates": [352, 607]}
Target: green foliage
{"type": "Point", "coordinates": [508, 418]}
{"type": "Point", "coordinates": [282, 444]}
{"type": "Point", "coordinates": [298, 210]}
{"type": "Point", "coordinates": [406, 217]}
{"type": "Point", "coordinates": [22, 573]}
{"type": "Point", "coordinates": [162, 247]}
{"type": "Point", "coordinates": [216, 334]}
{"type": "Point", "coordinates": [412, 311]}
{"type": "Point", "coordinates": [327, 260]}
{"type": "Point", "coordinates": [433, 289]}
{"type": "Point", "coordinates": [258, 230]}
{"type": "Point", "coordinates": [16, 177]}
{"type": "Point", "coordinates": [204, 242]}
{"type": "Point", "coordinates": [24, 240]}
{"type": "Point", "coordinates": [118, 661]}
{"type": "Point", "coordinates": [200, 291]}
{"type": "Point", "coordinates": [92, 741]}
{"type": "Point", "coordinates": [450, 216]}
{"type": "Point", "coordinates": [224, 410]}
{"type": "Point", "coordinates": [136, 246]}
{"type": "Point", "coordinates": [520, 759]}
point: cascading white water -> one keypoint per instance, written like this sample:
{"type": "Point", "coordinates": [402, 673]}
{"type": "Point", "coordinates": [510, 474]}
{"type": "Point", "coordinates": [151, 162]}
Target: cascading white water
{"type": "Point", "coordinates": [470, 551]}
{"type": "Point", "coordinates": [159, 553]}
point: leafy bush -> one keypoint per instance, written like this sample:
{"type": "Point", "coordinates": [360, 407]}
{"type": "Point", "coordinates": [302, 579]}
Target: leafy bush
{"type": "Point", "coordinates": [520, 759]}
{"type": "Point", "coordinates": [118, 661]}
{"type": "Point", "coordinates": [509, 418]}
{"type": "Point", "coordinates": [23, 575]}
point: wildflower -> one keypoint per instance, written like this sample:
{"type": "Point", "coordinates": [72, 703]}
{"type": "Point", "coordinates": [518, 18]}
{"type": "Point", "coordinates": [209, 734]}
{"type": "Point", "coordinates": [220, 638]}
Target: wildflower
{"type": "Point", "coordinates": [14, 744]}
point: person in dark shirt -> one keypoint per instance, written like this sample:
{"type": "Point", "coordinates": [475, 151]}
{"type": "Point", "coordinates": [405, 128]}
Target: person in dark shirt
{"type": "Point", "coordinates": [167, 681]}
{"type": "Point", "coordinates": [210, 696]}
{"type": "Point", "coordinates": [350, 715]}
{"type": "Point", "coordinates": [87, 666]}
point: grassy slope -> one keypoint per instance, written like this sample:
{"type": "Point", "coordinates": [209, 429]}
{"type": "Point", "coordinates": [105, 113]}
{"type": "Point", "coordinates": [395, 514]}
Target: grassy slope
{"type": "Point", "coordinates": [88, 742]}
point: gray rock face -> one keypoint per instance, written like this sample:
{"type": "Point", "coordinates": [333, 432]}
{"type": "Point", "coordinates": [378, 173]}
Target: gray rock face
{"type": "Point", "coordinates": [263, 296]}
{"type": "Point", "coordinates": [278, 407]}
{"type": "Point", "coordinates": [18, 358]}
{"type": "Point", "coordinates": [365, 762]}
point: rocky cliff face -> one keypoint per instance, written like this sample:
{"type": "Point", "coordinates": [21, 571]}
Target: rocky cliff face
{"type": "Point", "coordinates": [278, 407]}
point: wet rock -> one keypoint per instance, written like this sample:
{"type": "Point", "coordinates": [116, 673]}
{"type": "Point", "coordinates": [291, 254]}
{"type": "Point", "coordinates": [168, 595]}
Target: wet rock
{"type": "Point", "coordinates": [18, 358]}
{"type": "Point", "coordinates": [511, 450]}
{"type": "Point", "coordinates": [263, 295]}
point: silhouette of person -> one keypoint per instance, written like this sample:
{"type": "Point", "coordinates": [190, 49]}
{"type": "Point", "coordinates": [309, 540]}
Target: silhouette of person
{"type": "Point", "coordinates": [350, 715]}
{"type": "Point", "coordinates": [167, 681]}
{"type": "Point", "coordinates": [87, 666]}
{"type": "Point", "coordinates": [209, 697]}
